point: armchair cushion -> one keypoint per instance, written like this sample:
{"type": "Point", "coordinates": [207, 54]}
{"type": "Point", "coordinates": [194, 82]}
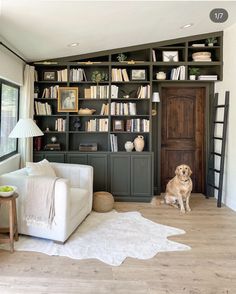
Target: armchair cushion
{"type": "Point", "coordinates": [41, 168]}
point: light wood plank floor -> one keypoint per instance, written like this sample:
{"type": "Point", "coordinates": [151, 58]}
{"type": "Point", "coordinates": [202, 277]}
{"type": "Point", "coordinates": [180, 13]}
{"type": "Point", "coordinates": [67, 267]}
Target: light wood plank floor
{"type": "Point", "coordinates": [210, 267]}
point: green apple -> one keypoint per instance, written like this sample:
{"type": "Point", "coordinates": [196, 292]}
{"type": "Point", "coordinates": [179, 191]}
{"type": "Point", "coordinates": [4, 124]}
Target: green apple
{"type": "Point", "coordinates": [6, 189]}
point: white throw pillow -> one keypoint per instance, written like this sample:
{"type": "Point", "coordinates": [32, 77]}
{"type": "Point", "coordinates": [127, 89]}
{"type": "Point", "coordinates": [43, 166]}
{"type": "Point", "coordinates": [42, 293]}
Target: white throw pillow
{"type": "Point", "coordinates": [41, 168]}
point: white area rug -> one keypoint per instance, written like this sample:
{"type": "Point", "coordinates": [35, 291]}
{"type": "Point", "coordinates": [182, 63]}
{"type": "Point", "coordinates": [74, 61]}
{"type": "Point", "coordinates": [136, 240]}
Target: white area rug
{"type": "Point", "coordinates": [110, 237]}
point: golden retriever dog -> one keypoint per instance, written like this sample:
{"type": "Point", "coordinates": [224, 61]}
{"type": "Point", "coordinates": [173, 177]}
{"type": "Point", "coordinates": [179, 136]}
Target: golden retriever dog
{"type": "Point", "coordinates": [178, 189]}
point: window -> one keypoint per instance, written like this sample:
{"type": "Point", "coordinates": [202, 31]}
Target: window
{"type": "Point", "coordinates": [9, 105]}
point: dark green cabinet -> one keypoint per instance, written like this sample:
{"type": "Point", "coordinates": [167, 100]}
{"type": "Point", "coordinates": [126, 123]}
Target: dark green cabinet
{"type": "Point", "coordinates": [132, 176]}
{"type": "Point", "coordinates": [120, 174]}
{"type": "Point", "coordinates": [99, 162]}
{"type": "Point", "coordinates": [53, 157]}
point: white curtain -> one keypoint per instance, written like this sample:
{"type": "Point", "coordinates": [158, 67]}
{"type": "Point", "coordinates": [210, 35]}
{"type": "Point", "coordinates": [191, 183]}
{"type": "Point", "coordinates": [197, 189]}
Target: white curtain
{"type": "Point", "coordinates": [27, 111]}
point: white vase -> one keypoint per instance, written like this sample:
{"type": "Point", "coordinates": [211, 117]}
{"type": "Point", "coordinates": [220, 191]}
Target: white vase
{"type": "Point", "coordinates": [139, 143]}
{"type": "Point", "coordinates": [192, 77]}
{"type": "Point", "coordinates": [129, 146]}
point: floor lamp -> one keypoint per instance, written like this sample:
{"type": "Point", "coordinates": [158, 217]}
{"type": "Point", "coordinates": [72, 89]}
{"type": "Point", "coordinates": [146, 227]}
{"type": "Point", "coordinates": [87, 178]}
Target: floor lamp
{"type": "Point", "coordinates": [24, 129]}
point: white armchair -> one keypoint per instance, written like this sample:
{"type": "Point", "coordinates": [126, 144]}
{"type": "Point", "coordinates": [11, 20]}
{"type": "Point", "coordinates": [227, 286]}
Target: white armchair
{"type": "Point", "coordinates": [73, 200]}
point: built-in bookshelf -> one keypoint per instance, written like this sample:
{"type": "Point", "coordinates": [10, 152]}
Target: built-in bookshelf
{"type": "Point", "coordinates": [121, 102]}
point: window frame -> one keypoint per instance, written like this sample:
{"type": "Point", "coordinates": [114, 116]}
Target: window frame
{"type": "Point", "coordinates": [2, 81]}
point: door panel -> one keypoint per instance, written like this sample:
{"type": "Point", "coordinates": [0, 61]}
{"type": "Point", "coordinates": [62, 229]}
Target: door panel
{"type": "Point", "coordinates": [182, 134]}
{"type": "Point", "coordinates": [99, 164]}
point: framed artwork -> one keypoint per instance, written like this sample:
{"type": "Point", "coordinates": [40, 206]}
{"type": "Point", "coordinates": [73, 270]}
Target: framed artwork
{"type": "Point", "coordinates": [67, 99]}
{"type": "Point", "coordinates": [118, 125]}
{"type": "Point", "coordinates": [170, 56]}
{"type": "Point", "coordinates": [138, 74]}
{"type": "Point", "coordinates": [50, 75]}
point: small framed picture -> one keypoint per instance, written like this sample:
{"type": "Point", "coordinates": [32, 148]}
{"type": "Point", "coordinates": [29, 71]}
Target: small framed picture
{"type": "Point", "coordinates": [138, 74]}
{"type": "Point", "coordinates": [50, 75]}
{"type": "Point", "coordinates": [67, 99]}
{"type": "Point", "coordinates": [118, 125]}
{"type": "Point", "coordinates": [170, 56]}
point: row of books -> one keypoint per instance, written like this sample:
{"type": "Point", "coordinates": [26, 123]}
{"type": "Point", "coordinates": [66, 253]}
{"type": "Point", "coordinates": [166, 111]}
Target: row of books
{"type": "Point", "coordinates": [60, 125]}
{"type": "Point", "coordinates": [119, 75]}
{"type": "Point", "coordinates": [207, 78]}
{"type": "Point", "coordinates": [123, 108]}
{"type": "Point", "coordinates": [144, 92]}
{"type": "Point", "coordinates": [62, 75]}
{"type": "Point", "coordinates": [97, 125]}
{"type": "Point", "coordinates": [113, 142]}
{"type": "Point", "coordinates": [51, 92]}
{"type": "Point", "coordinates": [137, 125]}
{"type": "Point", "coordinates": [77, 75]}
{"type": "Point", "coordinates": [104, 109]}
{"type": "Point", "coordinates": [96, 92]}
{"type": "Point", "coordinates": [42, 108]}
{"type": "Point", "coordinates": [178, 73]}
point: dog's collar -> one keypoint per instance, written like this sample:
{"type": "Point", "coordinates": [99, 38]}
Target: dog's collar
{"type": "Point", "coordinates": [184, 180]}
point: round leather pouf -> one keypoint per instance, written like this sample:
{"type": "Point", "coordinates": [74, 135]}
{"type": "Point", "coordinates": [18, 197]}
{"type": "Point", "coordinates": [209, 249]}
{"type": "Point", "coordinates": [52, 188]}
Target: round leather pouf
{"type": "Point", "coordinates": [103, 201]}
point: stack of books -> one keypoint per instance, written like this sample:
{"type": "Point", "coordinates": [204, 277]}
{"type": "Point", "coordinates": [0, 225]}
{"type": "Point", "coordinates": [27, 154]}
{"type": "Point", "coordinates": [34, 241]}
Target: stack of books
{"type": "Point", "coordinates": [207, 78]}
{"type": "Point", "coordinates": [62, 75]}
{"type": "Point", "coordinates": [77, 75]}
{"type": "Point", "coordinates": [51, 92]}
{"type": "Point", "coordinates": [137, 125]}
{"type": "Point", "coordinates": [96, 92]}
{"type": "Point", "coordinates": [143, 92]}
{"type": "Point", "coordinates": [104, 109]}
{"type": "Point", "coordinates": [178, 73]}
{"type": "Point", "coordinates": [113, 141]}
{"type": "Point", "coordinates": [60, 125]}
{"type": "Point", "coordinates": [97, 125]}
{"type": "Point", "coordinates": [119, 75]}
{"type": "Point", "coordinates": [42, 108]}
{"type": "Point", "coordinates": [123, 108]}
{"type": "Point", "coordinates": [114, 91]}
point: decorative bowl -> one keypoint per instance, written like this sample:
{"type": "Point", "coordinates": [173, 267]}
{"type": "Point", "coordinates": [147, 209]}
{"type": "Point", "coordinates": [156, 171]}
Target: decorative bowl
{"type": "Point", "coordinates": [7, 193]}
{"type": "Point", "coordinates": [86, 111]}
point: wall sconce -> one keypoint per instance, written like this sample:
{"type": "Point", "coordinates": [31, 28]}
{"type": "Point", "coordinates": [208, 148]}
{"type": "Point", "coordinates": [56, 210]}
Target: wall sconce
{"type": "Point", "coordinates": [156, 97]}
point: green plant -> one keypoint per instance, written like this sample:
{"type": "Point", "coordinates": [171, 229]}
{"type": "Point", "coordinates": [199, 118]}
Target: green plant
{"type": "Point", "coordinates": [194, 71]}
{"type": "Point", "coordinates": [211, 40]}
{"type": "Point", "coordinates": [98, 76]}
{"type": "Point", "coordinates": [121, 57]}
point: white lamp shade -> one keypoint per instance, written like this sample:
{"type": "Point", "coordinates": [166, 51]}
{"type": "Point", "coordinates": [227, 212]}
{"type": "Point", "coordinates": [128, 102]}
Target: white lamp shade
{"type": "Point", "coordinates": [25, 128]}
{"type": "Point", "coordinates": [155, 97]}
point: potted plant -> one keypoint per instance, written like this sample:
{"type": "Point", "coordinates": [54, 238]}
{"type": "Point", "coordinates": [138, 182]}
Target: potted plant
{"type": "Point", "coordinates": [211, 41]}
{"type": "Point", "coordinates": [193, 72]}
{"type": "Point", "coordinates": [97, 77]}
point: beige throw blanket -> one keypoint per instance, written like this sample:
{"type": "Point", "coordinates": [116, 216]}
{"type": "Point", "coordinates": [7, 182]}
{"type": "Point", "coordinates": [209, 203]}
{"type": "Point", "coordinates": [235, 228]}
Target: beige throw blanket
{"type": "Point", "coordinates": [39, 202]}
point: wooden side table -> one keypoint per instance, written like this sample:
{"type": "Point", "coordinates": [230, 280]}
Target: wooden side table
{"type": "Point", "coordinates": [12, 229]}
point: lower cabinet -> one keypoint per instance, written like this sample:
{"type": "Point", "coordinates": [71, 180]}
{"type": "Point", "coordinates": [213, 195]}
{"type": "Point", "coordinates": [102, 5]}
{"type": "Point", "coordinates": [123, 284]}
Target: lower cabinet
{"type": "Point", "coordinates": [132, 176]}
{"type": "Point", "coordinates": [128, 176]}
{"type": "Point", "coordinates": [99, 162]}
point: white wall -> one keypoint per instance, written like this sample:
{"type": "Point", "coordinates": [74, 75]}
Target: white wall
{"type": "Point", "coordinates": [229, 83]}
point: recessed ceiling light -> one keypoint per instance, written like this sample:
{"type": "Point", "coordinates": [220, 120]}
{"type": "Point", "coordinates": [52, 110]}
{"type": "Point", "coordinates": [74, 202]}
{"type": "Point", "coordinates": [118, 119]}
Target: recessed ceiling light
{"type": "Point", "coordinates": [73, 45]}
{"type": "Point", "coordinates": [187, 26]}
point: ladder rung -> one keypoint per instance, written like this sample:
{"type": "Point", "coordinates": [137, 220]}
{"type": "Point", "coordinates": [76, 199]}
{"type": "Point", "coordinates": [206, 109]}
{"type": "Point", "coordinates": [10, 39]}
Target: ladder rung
{"type": "Point", "coordinates": [216, 153]}
{"type": "Point", "coordinates": [220, 106]}
{"type": "Point", "coordinates": [217, 138]}
{"type": "Point", "coordinates": [213, 186]}
{"type": "Point", "coordinates": [218, 122]}
{"type": "Point", "coordinates": [214, 169]}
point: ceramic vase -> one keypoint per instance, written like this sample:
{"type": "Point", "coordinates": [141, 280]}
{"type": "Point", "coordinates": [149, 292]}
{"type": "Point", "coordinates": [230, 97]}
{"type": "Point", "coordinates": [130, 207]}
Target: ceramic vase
{"type": "Point", "coordinates": [129, 146]}
{"type": "Point", "coordinates": [139, 143]}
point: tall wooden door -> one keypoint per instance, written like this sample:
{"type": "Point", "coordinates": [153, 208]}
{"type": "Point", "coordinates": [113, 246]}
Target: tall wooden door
{"type": "Point", "coordinates": [182, 134]}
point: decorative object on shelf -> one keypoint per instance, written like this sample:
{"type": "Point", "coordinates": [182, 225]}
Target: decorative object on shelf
{"type": "Point", "coordinates": [121, 57]}
{"type": "Point", "coordinates": [98, 76]}
{"type": "Point", "coordinates": [139, 143]}
{"type": "Point", "coordinates": [36, 92]}
{"type": "Point", "coordinates": [202, 56]}
{"type": "Point", "coordinates": [54, 139]}
{"type": "Point", "coordinates": [170, 56]}
{"type": "Point", "coordinates": [87, 147]}
{"type": "Point", "coordinates": [86, 111]}
{"type": "Point", "coordinates": [126, 96]}
{"type": "Point", "coordinates": [161, 75]}
{"type": "Point", "coordinates": [77, 124]}
{"type": "Point", "coordinates": [138, 74]}
{"type": "Point", "coordinates": [211, 41]}
{"type": "Point", "coordinates": [47, 129]}
{"type": "Point", "coordinates": [50, 75]}
{"type": "Point", "coordinates": [155, 97]}
{"type": "Point", "coordinates": [67, 99]}
{"type": "Point", "coordinates": [118, 125]}
{"type": "Point", "coordinates": [193, 73]}
{"type": "Point", "coordinates": [129, 146]}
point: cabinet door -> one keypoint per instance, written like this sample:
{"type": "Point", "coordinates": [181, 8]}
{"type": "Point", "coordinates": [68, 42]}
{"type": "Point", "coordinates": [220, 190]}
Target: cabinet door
{"type": "Point", "coordinates": [55, 157]}
{"type": "Point", "coordinates": [99, 164]}
{"type": "Point", "coordinates": [38, 157]}
{"type": "Point", "coordinates": [77, 158]}
{"type": "Point", "coordinates": [120, 174]}
{"type": "Point", "coordinates": [141, 175]}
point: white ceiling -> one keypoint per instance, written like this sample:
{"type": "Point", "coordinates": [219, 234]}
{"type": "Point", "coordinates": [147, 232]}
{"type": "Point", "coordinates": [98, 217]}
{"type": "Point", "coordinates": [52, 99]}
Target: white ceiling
{"type": "Point", "coordinates": [42, 29]}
